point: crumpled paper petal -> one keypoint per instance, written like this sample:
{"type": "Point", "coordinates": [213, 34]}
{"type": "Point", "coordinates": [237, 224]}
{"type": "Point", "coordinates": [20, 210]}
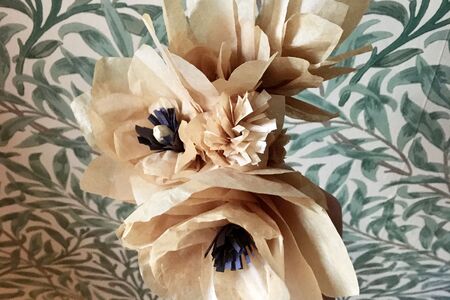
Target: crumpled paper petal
{"type": "Point", "coordinates": [299, 109]}
{"type": "Point", "coordinates": [108, 177]}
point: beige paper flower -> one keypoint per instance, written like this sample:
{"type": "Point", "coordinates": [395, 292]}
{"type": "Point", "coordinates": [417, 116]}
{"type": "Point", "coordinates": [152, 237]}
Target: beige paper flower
{"type": "Point", "coordinates": [236, 132]}
{"type": "Point", "coordinates": [219, 36]}
{"type": "Point", "coordinates": [138, 113]}
{"type": "Point", "coordinates": [293, 249]}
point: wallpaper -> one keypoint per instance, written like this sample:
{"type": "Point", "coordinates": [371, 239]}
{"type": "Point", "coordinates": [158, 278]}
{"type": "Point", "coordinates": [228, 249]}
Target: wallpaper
{"type": "Point", "coordinates": [386, 158]}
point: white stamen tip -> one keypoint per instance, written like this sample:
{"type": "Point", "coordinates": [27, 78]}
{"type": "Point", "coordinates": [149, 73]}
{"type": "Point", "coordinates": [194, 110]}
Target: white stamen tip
{"type": "Point", "coordinates": [162, 131]}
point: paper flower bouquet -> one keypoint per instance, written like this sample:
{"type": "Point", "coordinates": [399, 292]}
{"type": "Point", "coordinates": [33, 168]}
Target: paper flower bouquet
{"type": "Point", "coordinates": [193, 134]}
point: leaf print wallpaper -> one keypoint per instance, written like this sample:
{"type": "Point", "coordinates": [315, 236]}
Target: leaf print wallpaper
{"type": "Point", "coordinates": [386, 158]}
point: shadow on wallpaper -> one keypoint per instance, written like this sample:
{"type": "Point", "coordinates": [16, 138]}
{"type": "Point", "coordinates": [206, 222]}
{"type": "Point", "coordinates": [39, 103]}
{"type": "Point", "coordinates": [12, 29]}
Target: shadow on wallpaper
{"type": "Point", "coordinates": [386, 158]}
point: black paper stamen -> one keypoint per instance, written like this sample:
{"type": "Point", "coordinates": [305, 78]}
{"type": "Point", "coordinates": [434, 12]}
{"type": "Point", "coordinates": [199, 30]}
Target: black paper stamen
{"type": "Point", "coordinates": [230, 244]}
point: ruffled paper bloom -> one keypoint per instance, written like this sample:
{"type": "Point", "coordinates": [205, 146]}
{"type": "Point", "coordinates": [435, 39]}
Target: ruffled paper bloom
{"type": "Point", "coordinates": [236, 132]}
{"type": "Point", "coordinates": [218, 36]}
{"type": "Point", "coordinates": [142, 115]}
{"type": "Point", "coordinates": [289, 248]}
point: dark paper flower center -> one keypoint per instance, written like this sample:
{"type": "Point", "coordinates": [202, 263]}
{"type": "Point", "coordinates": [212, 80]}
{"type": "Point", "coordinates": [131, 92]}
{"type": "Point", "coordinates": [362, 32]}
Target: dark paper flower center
{"type": "Point", "coordinates": [164, 135]}
{"type": "Point", "coordinates": [230, 245]}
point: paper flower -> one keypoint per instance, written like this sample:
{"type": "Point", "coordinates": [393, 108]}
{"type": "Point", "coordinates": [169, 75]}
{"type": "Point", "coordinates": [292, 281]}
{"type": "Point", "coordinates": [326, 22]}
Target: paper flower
{"type": "Point", "coordinates": [219, 35]}
{"type": "Point", "coordinates": [139, 117]}
{"type": "Point", "coordinates": [280, 242]}
{"type": "Point", "coordinates": [236, 132]}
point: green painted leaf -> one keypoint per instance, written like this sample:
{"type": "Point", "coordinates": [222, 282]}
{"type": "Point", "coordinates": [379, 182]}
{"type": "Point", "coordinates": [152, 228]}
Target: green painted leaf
{"type": "Point", "coordinates": [338, 177]}
{"type": "Point", "coordinates": [417, 117]}
{"type": "Point", "coordinates": [78, 3]}
{"type": "Point", "coordinates": [117, 29]}
{"type": "Point", "coordinates": [16, 5]}
{"type": "Point", "coordinates": [5, 65]}
{"type": "Point", "coordinates": [9, 30]}
{"type": "Point", "coordinates": [411, 75]}
{"type": "Point", "coordinates": [75, 185]}
{"type": "Point", "coordinates": [369, 168]}
{"type": "Point", "coordinates": [56, 103]}
{"type": "Point", "coordinates": [20, 222]}
{"type": "Point", "coordinates": [318, 101]}
{"type": "Point", "coordinates": [322, 152]}
{"type": "Point", "coordinates": [376, 154]}
{"type": "Point", "coordinates": [357, 109]}
{"type": "Point", "coordinates": [388, 281]}
{"type": "Point", "coordinates": [313, 173]}
{"type": "Point", "coordinates": [84, 66]}
{"type": "Point", "coordinates": [61, 167]}
{"type": "Point", "coordinates": [95, 39]}
{"type": "Point", "coordinates": [376, 113]}
{"type": "Point", "coordinates": [376, 81]}
{"type": "Point", "coordinates": [12, 295]}
{"type": "Point", "coordinates": [419, 158]}
{"type": "Point", "coordinates": [443, 35]}
{"type": "Point", "coordinates": [406, 134]}
{"type": "Point", "coordinates": [44, 49]}
{"type": "Point", "coordinates": [35, 245]}
{"type": "Point", "coordinates": [38, 71]}
{"type": "Point", "coordinates": [390, 8]}
{"type": "Point", "coordinates": [132, 24]}
{"type": "Point", "coordinates": [398, 57]}
{"type": "Point", "coordinates": [432, 85]}
{"type": "Point", "coordinates": [9, 128]}
{"type": "Point", "coordinates": [427, 232]}
{"type": "Point", "coordinates": [32, 141]}
{"type": "Point", "coordinates": [37, 166]}
{"type": "Point", "coordinates": [415, 180]}
{"type": "Point", "coordinates": [298, 141]}
{"type": "Point", "coordinates": [83, 154]}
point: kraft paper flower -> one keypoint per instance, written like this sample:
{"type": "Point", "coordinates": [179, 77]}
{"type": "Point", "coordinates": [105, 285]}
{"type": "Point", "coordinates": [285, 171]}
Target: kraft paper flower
{"type": "Point", "coordinates": [236, 132]}
{"type": "Point", "coordinates": [139, 113]}
{"type": "Point", "coordinates": [229, 235]}
{"type": "Point", "coordinates": [219, 36]}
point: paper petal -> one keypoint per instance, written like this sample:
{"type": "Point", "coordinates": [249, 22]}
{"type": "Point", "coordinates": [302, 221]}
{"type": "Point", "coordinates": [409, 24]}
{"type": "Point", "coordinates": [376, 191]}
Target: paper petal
{"type": "Point", "coordinates": [213, 22]}
{"type": "Point", "coordinates": [271, 20]}
{"type": "Point", "coordinates": [315, 46]}
{"type": "Point", "coordinates": [108, 177]}
{"type": "Point", "coordinates": [110, 76]}
{"type": "Point", "coordinates": [200, 87]}
{"type": "Point", "coordinates": [332, 10]}
{"type": "Point", "coordinates": [180, 37]}
{"type": "Point", "coordinates": [80, 108]}
{"type": "Point", "coordinates": [299, 109]}
{"type": "Point", "coordinates": [357, 8]}
{"type": "Point", "coordinates": [297, 267]}
{"type": "Point", "coordinates": [323, 249]}
{"type": "Point", "coordinates": [244, 78]}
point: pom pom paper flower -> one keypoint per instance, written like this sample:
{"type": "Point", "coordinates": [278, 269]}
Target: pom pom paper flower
{"type": "Point", "coordinates": [236, 132]}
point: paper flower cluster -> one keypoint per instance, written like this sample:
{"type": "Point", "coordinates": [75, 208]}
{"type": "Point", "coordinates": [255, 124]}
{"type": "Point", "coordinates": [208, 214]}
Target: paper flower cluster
{"type": "Point", "coordinates": [193, 134]}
